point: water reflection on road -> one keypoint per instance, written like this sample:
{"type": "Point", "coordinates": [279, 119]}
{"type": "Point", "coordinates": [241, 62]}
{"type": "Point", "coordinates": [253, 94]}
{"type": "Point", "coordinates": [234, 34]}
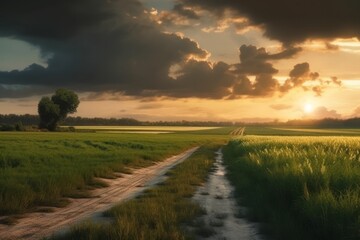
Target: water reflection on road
{"type": "Point", "coordinates": [221, 220]}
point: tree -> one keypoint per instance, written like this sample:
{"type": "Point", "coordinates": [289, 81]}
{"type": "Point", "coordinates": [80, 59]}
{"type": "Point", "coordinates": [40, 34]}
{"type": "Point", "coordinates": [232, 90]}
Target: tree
{"type": "Point", "coordinates": [67, 101]}
{"type": "Point", "coordinates": [49, 114]}
{"type": "Point", "coordinates": [53, 110]}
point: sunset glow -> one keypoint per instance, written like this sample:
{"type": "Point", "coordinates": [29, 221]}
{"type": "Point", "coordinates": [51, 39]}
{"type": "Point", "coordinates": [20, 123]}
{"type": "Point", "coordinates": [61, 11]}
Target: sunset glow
{"type": "Point", "coordinates": [308, 108]}
{"type": "Point", "coordinates": [182, 60]}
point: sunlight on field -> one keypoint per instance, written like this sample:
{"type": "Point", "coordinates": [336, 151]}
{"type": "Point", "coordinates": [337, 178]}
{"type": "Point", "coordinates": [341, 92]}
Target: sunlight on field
{"type": "Point", "coordinates": [136, 132]}
{"type": "Point", "coordinates": [144, 129]}
{"type": "Point", "coordinates": [298, 131]}
{"type": "Point", "coordinates": [307, 184]}
{"type": "Point", "coordinates": [42, 167]}
{"type": "Point", "coordinates": [318, 130]}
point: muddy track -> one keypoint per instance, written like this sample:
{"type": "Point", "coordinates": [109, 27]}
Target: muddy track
{"type": "Point", "coordinates": [222, 220]}
{"type": "Point", "coordinates": [37, 225]}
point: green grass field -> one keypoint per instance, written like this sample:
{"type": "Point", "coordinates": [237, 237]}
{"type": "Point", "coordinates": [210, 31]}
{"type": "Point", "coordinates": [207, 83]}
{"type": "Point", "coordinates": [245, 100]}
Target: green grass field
{"type": "Point", "coordinates": [300, 183]}
{"type": "Point", "coordinates": [144, 128]}
{"type": "Point", "coordinates": [299, 187]}
{"type": "Point", "coordinates": [286, 131]}
{"type": "Point", "coordinates": [156, 130]}
{"type": "Point", "coordinates": [41, 169]}
{"type": "Point", "coordinates": [162, 212]}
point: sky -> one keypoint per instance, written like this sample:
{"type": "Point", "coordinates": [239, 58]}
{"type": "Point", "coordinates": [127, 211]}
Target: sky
{"type": "Point", "coordinates": [195, 60]}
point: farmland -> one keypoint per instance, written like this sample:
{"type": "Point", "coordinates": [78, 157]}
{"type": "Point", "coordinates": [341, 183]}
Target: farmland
{"type": "Point", "coordinates": [299, 183]}
{"type": "Point", "coordinates": [43, 169]}
{"type": "Point", "coordinates": [300, 131]}
{"type": "Point", "coordinates": [143, 128]}
{"type": "Point", "coordinates": [161, 212]}
{"type": "Point", "coordinates": [300, 187]}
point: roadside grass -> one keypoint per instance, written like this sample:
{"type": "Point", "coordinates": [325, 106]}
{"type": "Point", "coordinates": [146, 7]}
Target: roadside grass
{"type": "Point", "coordinates": [298, 187]}
{"type": "Point", "coordinates": [44, 169]}
{"type": "Point", "coordinates": [161, 212]}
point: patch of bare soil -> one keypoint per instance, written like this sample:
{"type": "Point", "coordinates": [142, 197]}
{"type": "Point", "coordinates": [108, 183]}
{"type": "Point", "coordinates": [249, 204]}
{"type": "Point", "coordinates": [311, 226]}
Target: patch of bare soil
{"type": "Point", "coordinates": [221, 220]}
{"type": "Point", "coordinates": [42, 224]}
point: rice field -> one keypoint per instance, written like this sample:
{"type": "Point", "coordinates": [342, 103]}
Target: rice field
{"type": "Point", "coordinates": [298, 187]}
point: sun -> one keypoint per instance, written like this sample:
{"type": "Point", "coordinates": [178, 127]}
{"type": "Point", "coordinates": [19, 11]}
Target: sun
{"type": "Point", "coordinates": [308, 108]}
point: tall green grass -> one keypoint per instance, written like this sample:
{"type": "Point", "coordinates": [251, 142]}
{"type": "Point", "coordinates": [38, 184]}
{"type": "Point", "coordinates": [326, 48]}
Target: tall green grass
{"type": "Point", "coordinates": [161, 212]}
{"type": "Point", "coordinates": [299, 131]}
{"type": "Point", "coordinates": [300, 187]}
{"type": "Point", "coordinates": [41, 169]}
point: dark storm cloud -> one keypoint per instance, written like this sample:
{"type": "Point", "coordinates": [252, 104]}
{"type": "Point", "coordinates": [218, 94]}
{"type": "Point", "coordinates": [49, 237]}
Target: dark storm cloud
{"type": "Point", "coordinates": [94, 45]}
{"type": "Point", "coordinates": [201, 79]}
{"type": "Point", "coordinates": [264, 85]}
{"type": "Point", "coordinates": [15, 91]}
{"type": "Point", "coordinates": [221, 80]}
{"type": "Point", "coordinates": [186, 12]}
{"type": "Point", "coordinates": [42, 19]}
{"type": "Point", "coordinates": [299, 76]}
{"type": "Point", "coordinates": [256, 60]}
{"type": "Point", "coordinates": [179, 16]}
{"type": "Point", "coordinates": [300, 70]}
{"type": "Point", "coordinates": [113, 49]}
{"type": "Point", "coordinates": [293, 21]}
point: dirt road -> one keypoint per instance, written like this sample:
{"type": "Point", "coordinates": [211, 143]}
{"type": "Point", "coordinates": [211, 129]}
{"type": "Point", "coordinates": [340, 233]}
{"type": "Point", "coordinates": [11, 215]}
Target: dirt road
{"type": "Point", "coordinates": [37, 225]}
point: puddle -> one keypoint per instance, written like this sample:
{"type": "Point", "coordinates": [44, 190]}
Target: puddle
{"type": "Point", "coordinates": [220, 220]}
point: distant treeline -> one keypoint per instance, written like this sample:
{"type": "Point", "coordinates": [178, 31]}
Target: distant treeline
{"type": "Point", "coordinates": [326, 123]}
{"type": "Point", "coordinates": [28, 120]}
{"type": "Point", "coordinates": [189, 123]}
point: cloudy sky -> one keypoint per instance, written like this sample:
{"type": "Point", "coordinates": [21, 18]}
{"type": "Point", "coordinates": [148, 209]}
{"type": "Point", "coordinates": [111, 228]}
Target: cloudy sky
{"type": "Point", "coordinates": [229, 60]}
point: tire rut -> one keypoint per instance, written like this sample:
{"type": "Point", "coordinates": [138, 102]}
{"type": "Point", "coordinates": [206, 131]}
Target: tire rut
{"type": "Point", "coordinates": [37, 225]}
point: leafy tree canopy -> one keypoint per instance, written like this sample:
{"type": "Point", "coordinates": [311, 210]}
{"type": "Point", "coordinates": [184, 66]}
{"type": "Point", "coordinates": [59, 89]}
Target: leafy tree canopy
{"type": "Point", "coordinates": [54, 109]}
{"type": "Point", "coordinates": [67, 101]}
